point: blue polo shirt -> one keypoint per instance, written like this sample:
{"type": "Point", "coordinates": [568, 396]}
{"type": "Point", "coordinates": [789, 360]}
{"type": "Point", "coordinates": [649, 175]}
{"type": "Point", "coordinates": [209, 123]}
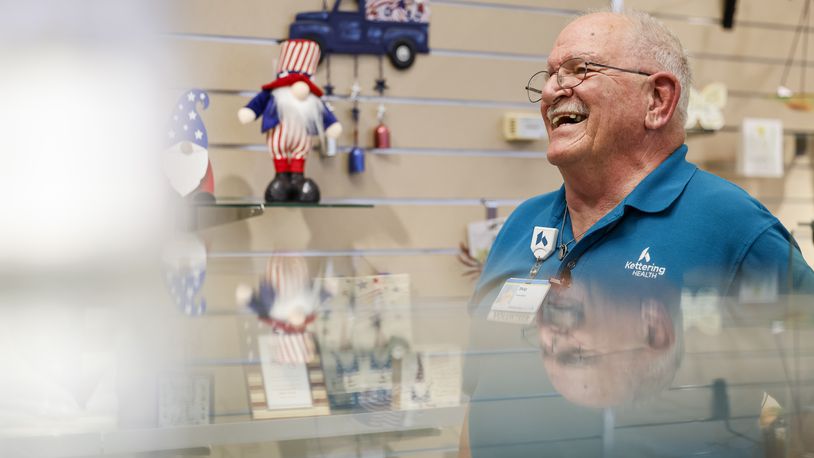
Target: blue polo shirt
{"type": "Point", "coordinates": [680, 230]}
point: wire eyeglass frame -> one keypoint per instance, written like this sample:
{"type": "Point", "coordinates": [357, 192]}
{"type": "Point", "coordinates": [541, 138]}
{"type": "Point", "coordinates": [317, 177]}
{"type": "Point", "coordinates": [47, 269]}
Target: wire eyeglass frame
{"type": "Point", "coordinates": [578, 67]}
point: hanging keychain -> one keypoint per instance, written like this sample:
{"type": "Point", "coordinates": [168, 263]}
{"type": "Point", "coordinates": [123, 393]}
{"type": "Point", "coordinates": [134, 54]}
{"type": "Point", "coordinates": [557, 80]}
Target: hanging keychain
{"type": "Point", "coordinates": [797, 100]}
{"type": "Point", "coordinates": [381, 136]}
{"type": "Point", "coordinates": [356, 158]}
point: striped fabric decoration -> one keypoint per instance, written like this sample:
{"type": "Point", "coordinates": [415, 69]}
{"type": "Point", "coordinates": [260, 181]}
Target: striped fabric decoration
{"type": "Point", "coordinates": [285, 140]}
{"type": "Point", "coordinates": [292, 348]}
{"type": "Point", "coordinates": [288, 275]}
{"type": "Point", "coordinates": [298, 56]}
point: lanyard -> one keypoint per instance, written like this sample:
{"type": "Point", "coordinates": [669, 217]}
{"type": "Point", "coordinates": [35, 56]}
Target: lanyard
{"type": "Point", "coordinates": [535, 268]}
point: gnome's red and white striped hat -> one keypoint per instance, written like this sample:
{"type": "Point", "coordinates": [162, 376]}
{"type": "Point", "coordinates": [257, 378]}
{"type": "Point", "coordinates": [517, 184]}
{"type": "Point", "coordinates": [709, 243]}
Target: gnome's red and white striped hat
{"type": "Point", "coordinates": [300, 56]}
{"type": "Point", "coordinates": [298, 61]}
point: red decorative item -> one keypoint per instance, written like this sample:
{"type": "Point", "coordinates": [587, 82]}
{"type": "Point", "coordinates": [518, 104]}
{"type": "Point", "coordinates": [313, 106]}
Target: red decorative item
{"type": "Point", "coordinates": [381, 136]}
{"type": "Point", "coordinates": [288, 328]}
{"type": "Point", "coordinates": [208, 183]}
{"type": "Point", "coordinates": [381, 139]}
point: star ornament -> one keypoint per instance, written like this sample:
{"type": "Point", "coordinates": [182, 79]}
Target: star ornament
{"type": "Point", "coordinates": [381, 86]}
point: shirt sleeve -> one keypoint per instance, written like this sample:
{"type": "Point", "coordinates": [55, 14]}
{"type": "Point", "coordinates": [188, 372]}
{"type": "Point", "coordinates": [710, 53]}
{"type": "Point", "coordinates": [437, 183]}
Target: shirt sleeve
{"type": "Point", "coordinates": [773, 264]}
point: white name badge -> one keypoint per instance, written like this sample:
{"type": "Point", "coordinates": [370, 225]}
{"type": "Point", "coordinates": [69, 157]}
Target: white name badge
{"type": "Point", "coordinates": [518, 301]}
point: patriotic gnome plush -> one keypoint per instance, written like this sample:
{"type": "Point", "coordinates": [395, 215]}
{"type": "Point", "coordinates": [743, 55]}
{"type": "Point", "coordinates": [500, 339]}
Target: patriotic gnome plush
{"type": "Point", "coordinates": [186, 158]}
{"type": "Point", "coordinates": [292, 112]}
{"type": "Point", "coordinates": [286, 298]}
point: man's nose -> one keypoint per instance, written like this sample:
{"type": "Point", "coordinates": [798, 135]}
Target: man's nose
{"type": "Point", "coordinates": [552, 91]}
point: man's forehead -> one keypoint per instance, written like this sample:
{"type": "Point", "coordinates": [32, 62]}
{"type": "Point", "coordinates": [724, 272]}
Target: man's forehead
{"type": "Point", "coordinates": [591, 36]}
{"type": "Point", "coordinates": [556, 59]}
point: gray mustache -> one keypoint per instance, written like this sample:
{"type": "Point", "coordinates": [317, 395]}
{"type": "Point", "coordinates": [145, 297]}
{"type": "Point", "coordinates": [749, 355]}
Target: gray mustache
{"type": "Point", "coordinates": [568, 107]}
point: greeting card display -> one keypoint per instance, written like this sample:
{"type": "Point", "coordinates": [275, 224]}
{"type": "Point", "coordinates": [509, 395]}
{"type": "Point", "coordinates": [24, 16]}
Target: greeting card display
{"type": "Point", "coordinates": [282, 386]}
{"type": "Point", "coordinates": [365, 329]}
{"type": "Point", "coordinates": [761, 148]}
{"type": "Point", "coordinates": [431, 378]}
{"type": "Point", "coordinates": [481, 235]}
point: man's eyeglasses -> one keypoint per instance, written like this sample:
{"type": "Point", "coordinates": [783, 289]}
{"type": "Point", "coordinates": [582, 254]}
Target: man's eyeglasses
{"type": "Point", "coordinates": [571, 74]}
{"type": "Point", "coordinates": [569, 355]}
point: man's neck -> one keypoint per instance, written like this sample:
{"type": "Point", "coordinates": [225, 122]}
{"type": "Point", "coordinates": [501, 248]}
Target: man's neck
{"type": "Point", "coordinates": [592, 192]}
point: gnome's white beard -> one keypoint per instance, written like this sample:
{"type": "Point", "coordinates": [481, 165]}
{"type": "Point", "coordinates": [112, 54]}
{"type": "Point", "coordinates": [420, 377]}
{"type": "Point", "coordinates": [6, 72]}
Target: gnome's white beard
{"type": "Point", "coordinates": [306, 113]}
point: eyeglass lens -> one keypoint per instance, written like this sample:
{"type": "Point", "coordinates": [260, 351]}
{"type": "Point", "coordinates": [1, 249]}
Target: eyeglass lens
{"type": "Point", "coordinates": [569, 75]}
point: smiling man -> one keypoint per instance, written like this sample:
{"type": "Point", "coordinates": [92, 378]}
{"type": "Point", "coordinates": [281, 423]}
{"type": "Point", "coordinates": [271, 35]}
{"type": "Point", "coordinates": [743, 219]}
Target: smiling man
{"type": "Point", "coordinates": [633, 222]}
{"type": "Point", "coordinates": [632, 212]}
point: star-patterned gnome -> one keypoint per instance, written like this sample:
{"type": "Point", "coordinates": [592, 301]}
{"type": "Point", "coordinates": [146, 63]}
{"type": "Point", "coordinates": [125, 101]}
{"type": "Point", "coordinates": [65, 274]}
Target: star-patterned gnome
{"type": "Point", "coordinates": [292, 111]}
{"type": "Point", "coordinates": [184, 265]}
{"type": "Point", "coordinates": [186, 158]}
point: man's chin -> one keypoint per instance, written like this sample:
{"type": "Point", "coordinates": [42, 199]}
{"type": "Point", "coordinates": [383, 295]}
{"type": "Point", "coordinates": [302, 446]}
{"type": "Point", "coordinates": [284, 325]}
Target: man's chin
{"type": "Point", "coordinates": [559, 155]}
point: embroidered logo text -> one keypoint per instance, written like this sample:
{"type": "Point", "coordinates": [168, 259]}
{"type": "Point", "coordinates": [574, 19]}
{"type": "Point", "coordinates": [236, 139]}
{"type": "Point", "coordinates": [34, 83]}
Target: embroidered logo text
{"type": "Point", "coordinates": [644, 268]}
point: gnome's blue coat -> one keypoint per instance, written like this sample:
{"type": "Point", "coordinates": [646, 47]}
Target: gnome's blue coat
{"type": "Point", "coordinates": [264, 104]}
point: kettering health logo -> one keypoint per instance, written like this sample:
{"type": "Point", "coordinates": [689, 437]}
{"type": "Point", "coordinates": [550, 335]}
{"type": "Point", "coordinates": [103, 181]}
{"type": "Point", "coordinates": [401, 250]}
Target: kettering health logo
{"type": "Point", "coordinates": [645, 269]}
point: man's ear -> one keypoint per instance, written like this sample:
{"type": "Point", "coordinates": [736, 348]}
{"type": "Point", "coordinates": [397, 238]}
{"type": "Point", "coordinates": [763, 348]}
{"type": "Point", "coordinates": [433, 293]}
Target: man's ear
{"type": "Point", "coordinates": [658, 325]}
{"type": "Point", "coordinates": [662, 100]}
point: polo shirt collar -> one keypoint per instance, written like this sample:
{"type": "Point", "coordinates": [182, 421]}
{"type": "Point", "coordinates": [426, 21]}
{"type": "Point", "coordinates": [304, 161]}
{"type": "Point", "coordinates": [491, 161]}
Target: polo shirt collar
{"type": "Point", "coordinates": [662, 186]}
{"type": "Point", "coordinates": [654, 193]}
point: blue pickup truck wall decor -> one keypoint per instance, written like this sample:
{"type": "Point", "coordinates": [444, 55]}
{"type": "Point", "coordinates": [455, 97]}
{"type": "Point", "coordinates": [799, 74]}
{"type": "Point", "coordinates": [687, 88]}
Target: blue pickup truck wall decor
{"type": "Point", "coordinates": [397, 28]}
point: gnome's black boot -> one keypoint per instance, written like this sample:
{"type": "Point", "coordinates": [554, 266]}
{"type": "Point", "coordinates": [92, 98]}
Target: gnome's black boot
{"type": "Point", "coordinates": [279, 190]}
{"type": "Point", "coordinates": [304, 189]}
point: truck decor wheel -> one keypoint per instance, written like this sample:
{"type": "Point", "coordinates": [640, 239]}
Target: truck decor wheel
{"type": "Point", "coordinates": [402, 54]}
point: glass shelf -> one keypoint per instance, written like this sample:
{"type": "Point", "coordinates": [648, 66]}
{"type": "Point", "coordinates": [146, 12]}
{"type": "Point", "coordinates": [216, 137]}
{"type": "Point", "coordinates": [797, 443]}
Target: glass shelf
{"type": "Point", "coordinates": [504, 382]}
{"type": "Point", "coordinates": [251, 202]}
{"type": "Point", "coordinates": [224, 210]}
{"type": "Point", "coordinates": [199, 439]}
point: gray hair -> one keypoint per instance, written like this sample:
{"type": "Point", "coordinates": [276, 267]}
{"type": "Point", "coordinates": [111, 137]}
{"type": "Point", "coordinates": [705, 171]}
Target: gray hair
{"type": "Point", "coordinates": [650, 38]}
{"type": "Point", "coordinates": [653, 38]}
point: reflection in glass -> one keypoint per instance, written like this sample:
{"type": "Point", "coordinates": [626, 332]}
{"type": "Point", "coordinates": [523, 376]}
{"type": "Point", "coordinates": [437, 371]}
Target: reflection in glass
{"type": "Point", "coordinates": [599, 352]}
